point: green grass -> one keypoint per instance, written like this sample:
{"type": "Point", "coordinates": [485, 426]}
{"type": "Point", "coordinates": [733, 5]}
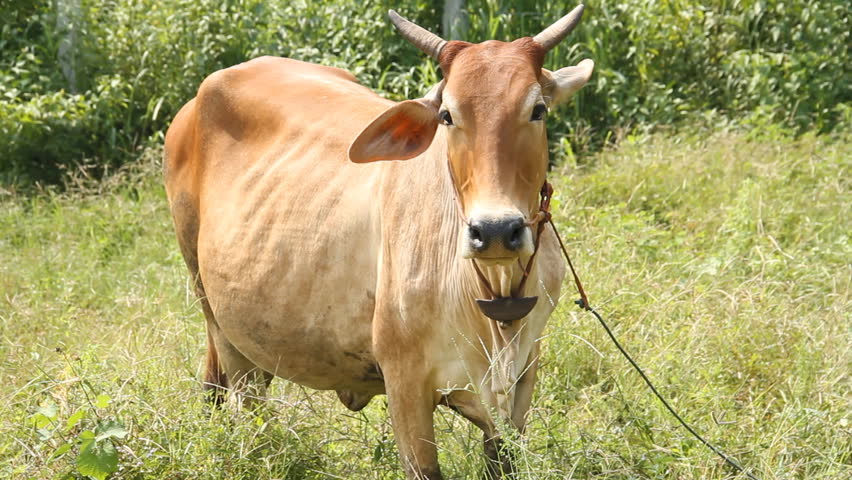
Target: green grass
{"type": "Point", "coordinates": [721, 260]}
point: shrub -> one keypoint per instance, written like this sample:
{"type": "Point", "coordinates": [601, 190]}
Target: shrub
{"type": "Point", "coordinates": [658, 63]}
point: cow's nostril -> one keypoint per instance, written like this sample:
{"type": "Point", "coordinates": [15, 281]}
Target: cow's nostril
{"type": "Point", "coordinates": [516, 237]}
{"type": "Point", "coordinates": [477, 240]}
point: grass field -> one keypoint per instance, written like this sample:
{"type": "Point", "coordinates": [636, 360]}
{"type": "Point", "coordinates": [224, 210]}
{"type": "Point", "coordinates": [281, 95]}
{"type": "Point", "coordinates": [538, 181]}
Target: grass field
{"type": "Point", "coordinates": [722, 261]}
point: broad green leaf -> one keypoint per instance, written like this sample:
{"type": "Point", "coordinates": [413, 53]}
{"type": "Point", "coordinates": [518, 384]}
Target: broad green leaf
{"type": "Point", "coordinates": [97, 459]}
{"type": "Point", "coordinates": [110, 429]}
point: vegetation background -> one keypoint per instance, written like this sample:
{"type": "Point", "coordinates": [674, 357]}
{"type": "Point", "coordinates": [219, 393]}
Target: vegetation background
{"type": "Point", "coordinates": [91, 81]}
{"type": "Point", "coordinates": [703, 186]}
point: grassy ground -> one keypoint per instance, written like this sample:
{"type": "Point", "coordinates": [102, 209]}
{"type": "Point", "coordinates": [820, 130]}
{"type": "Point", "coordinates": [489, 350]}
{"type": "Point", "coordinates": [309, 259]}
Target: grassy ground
{"type": "Point", "coordinates": [722, 262]}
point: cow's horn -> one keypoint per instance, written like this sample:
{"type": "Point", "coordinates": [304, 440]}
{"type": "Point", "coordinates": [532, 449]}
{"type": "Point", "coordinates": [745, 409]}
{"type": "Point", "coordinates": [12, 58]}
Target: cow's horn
{"type": "Point", "coordinates": [554, 34]}
{"type": "Point", "coordinates": [423, 39]}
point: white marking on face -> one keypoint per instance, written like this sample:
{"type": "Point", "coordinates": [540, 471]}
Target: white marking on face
{"type": "Point", "coordinates": [449, 104]}
{"type": "Point", "coordinates": [532, 99]}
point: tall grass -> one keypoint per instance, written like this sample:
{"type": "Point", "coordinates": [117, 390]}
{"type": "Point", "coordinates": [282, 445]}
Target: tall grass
{"type": "Point", "coordinates": [721, 260]}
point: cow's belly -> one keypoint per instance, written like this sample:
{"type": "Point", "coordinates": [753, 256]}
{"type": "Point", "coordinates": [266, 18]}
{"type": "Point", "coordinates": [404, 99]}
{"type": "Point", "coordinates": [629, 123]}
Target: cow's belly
{"type": "Point", "coordinates": [328, 347]}
{"type": "Point", "coordinates": [288, 264]}
{"type": "Point", "coordinates": [298, 323]}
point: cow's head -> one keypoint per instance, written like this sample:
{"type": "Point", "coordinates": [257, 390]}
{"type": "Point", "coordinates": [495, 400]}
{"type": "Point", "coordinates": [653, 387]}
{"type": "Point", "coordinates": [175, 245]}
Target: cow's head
{"type": "Point", "coordinates": [493, 102]}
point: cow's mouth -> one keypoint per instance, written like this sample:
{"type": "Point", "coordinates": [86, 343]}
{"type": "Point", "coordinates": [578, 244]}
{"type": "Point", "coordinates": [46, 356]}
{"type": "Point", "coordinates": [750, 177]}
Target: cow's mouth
{"type": "Point", "coordinates": [503, 306]}
{"type": "Point", "coordinates": [496, 261]}
{"type": "Point", "coordinates": [506, 309]}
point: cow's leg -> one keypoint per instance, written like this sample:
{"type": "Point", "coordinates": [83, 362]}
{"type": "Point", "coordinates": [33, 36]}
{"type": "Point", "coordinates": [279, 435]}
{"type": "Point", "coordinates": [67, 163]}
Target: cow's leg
{"type": "Point", "coordinates": [500, 459]}
{"type": "Point", "coordinates": [220, 361]}
{"type": "Point", "coordinates": [215, 379]}
{"type": "Point", "coordinates": [524, 391]}
{"type": "Point", "coordinates": [227, 368]}
{"type": "Point", "coordinates": [411, 410]}
{"type": "Point", "coordinates": [411, 405]}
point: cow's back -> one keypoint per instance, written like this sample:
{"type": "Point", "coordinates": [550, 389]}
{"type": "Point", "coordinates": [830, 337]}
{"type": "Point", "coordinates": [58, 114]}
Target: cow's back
{"type": "Point", "coordinates": [274, 220]}
{"type": "Point", "coordinates": [262, 104]}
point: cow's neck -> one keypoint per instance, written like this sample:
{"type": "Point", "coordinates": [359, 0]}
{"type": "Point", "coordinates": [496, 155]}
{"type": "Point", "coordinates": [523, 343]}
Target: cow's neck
{"type": "Point", "coordinates": [505, 345]}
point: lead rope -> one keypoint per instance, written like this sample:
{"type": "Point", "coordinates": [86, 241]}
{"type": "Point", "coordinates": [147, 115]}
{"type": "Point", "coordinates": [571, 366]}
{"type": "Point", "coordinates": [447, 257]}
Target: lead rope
{"type": "Point", "coordinates": [542, 217]}
{"type": "Point", "coordinates": [583, 302]}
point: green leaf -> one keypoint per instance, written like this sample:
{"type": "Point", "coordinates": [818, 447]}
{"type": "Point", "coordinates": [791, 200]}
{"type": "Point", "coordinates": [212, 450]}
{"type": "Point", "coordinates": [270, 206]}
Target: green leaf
{"type": "Point", "coordinates": [73, 420]}
{"type": "Point", "coordinates": [110, 429]}
{"type": "Point", "coordinates": [97, 459]}
{"type": "Point", "coordinates": [39, 421]}
{"type": "Point", "coordinates": [62, 450]}
{"type": "Point", "coordinates": [102, 400]}
{"type": "Point", "coordinates": [49, 410]}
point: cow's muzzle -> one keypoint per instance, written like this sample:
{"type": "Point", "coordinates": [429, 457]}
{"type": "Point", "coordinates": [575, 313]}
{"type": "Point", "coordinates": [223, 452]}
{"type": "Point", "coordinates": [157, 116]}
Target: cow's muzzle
{"type": "Point", "coordinates": [505, 310]}
{"type": "Point", "coordinates": [500, 239]}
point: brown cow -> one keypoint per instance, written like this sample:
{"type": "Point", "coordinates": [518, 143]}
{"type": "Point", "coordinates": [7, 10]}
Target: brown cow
{"type": "Point", "coordinates": [318, 263]}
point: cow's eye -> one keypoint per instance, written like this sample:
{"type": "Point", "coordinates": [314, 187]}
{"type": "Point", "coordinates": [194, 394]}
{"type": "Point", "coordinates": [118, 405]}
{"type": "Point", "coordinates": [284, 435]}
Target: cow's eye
{"type": "Point", "coordinates": [538, 113]}
{"type": "Point", "coordinates": [446, 118]}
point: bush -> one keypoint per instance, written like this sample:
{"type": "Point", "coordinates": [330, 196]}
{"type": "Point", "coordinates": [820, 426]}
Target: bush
{"type": "Point", "coordinates": [658, 63]}
{"type": "Point", "coordinates": [661, 63]}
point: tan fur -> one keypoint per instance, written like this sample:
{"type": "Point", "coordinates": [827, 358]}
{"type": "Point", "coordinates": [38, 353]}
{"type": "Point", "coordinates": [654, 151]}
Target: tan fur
{"type": "Point", "coordinates": [347, 276]}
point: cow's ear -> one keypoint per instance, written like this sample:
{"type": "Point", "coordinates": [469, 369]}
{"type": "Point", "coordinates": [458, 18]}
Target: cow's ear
{"type": "Point", "coordinates": [560, 85]}
{"type": "Point", "coordinates": [399, 133]}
